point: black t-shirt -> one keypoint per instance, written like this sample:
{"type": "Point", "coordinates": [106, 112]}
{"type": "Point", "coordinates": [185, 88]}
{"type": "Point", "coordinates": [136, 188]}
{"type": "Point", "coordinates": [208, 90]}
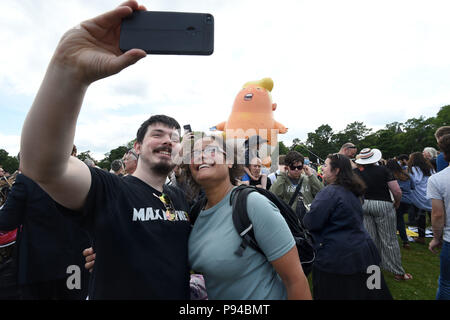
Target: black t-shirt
{"type": "Point", "coordinates": [141, 252]}
{"type": "Point", "coordinates": [256, 182]}
{"type": "Point", "coordinates": [376, 179]}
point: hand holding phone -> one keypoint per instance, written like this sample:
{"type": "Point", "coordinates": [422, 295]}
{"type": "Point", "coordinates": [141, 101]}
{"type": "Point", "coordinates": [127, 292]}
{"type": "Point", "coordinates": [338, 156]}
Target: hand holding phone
{"type": "Point", "coordinates": [187, 128]}
{"type": "Point", "coordinates": [90, 48]}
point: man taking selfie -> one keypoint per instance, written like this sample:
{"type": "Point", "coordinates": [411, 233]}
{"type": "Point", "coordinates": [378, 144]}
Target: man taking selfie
{"type": "Point", "coordinates": [139, 227]}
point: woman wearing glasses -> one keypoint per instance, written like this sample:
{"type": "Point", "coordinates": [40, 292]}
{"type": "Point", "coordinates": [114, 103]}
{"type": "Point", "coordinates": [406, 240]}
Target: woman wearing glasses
{"type": "Point", "coordinates": [213, 240]}
{"type": "Point", "coordinates": [285, 185]}
{"type": "Point", "coordinates": [344, 249]}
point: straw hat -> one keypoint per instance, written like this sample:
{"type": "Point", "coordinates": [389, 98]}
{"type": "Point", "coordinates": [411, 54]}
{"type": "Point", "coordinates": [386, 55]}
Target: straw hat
{"type": "Point", "coordinates": [368, 156]}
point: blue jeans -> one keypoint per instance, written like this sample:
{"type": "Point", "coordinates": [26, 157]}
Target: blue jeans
{"type": "Point", "coordinates": [443, 292]}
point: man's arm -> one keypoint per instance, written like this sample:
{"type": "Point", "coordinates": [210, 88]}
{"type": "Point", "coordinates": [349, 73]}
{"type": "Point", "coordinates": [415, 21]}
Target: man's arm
{"type": "Point", "coordinates": [437, 223]}
{"type": "Point", "coordinates": [85, 54]}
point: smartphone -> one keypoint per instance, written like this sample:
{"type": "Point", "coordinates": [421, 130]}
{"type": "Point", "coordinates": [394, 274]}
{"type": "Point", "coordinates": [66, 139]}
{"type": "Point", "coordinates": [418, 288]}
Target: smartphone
{"type": "Point", "coordinates": [159, 32]}
{"type": "Point", "coordinates": [187, 128]}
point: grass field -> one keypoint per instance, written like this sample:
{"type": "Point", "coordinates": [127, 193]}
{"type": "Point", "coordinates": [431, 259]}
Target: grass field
{"type": "Point", "coordinates": [422, 265]}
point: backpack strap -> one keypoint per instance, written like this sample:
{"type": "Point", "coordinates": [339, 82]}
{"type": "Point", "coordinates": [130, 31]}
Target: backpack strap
{"type": "Point", "coordinates": [243, 225]}
{"type": "Point", "coordinates": [197, 208]}
{"type": "Point", "coordinates": [297, 190]}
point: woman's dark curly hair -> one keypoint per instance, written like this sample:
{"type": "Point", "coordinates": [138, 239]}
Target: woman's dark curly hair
{"type": "Point", "coordinates": [396, 170]}
{"type": "Point", "coordinates": [233, 154]}
{"type": "Point", "coordinates": [417, 159]}
{"type": "Point", "coordinates": [346, 177]}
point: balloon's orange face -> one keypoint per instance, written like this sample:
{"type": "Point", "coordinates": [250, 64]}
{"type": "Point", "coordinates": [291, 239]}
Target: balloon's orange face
{"type": "Point", "coordinates": [253, 98]}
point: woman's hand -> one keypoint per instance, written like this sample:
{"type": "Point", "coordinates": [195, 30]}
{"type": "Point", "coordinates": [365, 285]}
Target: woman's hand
{"type": "Point", "coordinates": [91, 51]}
{"type": "Point", "coordinates": [89, 255]}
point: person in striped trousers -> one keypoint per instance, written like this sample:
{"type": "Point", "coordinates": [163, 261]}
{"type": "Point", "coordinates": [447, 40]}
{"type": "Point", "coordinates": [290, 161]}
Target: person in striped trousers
{"type": "Point", "coordinates": [379, 210]}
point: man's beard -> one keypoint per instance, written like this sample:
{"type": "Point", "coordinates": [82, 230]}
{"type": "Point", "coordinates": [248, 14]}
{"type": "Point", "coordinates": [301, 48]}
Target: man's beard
{"type": "Point", "coordinates": [163, 168]}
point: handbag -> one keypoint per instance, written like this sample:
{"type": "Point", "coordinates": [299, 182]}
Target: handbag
{"type": "Point", "coordinates": [300, 209]}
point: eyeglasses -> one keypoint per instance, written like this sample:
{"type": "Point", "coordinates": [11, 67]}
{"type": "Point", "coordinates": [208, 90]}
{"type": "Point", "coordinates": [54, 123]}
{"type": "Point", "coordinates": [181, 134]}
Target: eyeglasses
{"type": "Point", "coordinates": [209, 151]}
{"type": "Point", "coordinates": [292, 167]}
{"type": "Point", "coordinates": [133, 153]}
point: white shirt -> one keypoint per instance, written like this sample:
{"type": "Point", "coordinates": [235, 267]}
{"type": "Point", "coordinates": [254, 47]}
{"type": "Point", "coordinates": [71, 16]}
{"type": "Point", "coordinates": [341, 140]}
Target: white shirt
{"type": "Point", "coordinates": [439, 188]}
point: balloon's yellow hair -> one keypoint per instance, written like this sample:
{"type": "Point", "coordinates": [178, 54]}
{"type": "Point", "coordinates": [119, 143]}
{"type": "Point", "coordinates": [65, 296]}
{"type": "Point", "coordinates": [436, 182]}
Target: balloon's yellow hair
{"type": "Point", "coordinates": [266, 83]}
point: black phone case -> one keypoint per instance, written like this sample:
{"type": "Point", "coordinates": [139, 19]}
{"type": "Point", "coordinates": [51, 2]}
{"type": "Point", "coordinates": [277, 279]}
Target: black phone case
{"type": "Point", "coordinates": [159, 32]}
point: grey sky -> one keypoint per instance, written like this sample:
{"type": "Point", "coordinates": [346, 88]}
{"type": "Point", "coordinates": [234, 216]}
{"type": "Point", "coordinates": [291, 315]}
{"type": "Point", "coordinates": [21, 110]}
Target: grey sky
{"type": "Point", "coordinates": [332, 62]}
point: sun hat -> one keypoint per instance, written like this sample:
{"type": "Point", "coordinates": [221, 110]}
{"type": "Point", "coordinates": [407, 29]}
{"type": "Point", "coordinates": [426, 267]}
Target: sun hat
{"type": "Point", "coordinates": [368, 156]}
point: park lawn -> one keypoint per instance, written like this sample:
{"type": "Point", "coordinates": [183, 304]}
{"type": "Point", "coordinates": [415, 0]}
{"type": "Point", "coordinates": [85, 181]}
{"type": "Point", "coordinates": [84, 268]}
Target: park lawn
{"type": "Point", "coordinates": [423, 266]}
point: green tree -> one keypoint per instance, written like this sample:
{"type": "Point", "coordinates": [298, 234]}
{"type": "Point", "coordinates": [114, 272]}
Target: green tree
{"type": "Point", "coordinates": [295, 142]}
{"type": "Point", "coordinates": [320, 142]}
{"type": "Point", "coordinates": [388, 140]}
{"type": "Point", "coordinates": [355, 132]}
{"type": "Point", "coordinates": [443, 117]}
{"type": "Point", "coordinates": [302, 149]}
{"type": "Point", "coordinates": [282, 148]}
{"type": "Point", "coordinates": [114, 154]}
{"type": "Point", "coordinates": [419, 133]}
{"type": "Point", "coordinates": [8, 163]}
{"type": "Point", "coordinates": [85, 155]}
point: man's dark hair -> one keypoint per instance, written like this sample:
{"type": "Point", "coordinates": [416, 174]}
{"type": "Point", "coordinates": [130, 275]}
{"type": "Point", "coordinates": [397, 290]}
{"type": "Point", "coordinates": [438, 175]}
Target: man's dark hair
{"type": "Point", "coordinates": [168, 121]}
{"type": "Point", "coordinates": [403, 157]}
{"type": "Point", "coordinates": [293, 156]}
{"type": "Point", "coordinates": [346, 177]}
{"type": "Point", "coordinates": [116, 165]}
{"type": "Point", "coordinates": [444, 145]}
{"type": "Point", "coordinates": [442, 131]}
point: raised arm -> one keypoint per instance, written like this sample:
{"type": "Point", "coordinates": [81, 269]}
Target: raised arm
{"type": "Point", "coordinates": [86, 53]}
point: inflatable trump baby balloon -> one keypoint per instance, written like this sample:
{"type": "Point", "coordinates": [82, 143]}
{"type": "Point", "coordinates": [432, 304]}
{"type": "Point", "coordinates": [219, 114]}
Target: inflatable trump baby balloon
{"type": "Point", "coordinates": [252, 115]}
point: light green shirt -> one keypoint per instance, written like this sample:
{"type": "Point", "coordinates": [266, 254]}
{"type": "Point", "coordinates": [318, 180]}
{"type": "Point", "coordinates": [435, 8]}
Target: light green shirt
{"type": "Point", "coordinates": [214, 240]}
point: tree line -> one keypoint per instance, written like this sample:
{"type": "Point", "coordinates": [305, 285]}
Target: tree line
{"type": "Point", "coordinates": [394, 139]}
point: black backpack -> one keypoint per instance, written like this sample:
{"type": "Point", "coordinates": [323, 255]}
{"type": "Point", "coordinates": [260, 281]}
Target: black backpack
{"type": "Point", "coordinates": [238, 201]}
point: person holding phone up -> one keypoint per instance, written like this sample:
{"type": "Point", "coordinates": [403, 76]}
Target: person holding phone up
{"type": "Point", "coordinates": [139, 226]}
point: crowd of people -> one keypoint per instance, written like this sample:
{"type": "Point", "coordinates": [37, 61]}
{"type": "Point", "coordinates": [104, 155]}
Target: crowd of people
{"type": "Point", "coordinates": [134, 224]}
